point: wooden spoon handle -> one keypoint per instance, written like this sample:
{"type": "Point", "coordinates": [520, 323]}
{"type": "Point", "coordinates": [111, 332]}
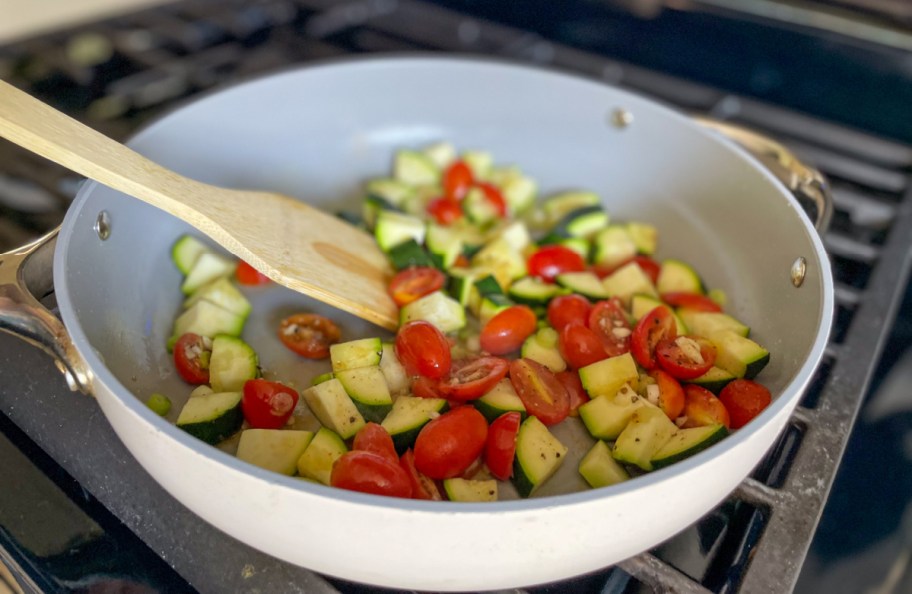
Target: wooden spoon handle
{"type": "Point", "coordinates": [49, 133]}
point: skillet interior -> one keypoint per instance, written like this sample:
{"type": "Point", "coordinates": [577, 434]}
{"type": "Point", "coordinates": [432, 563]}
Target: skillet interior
{"type": "Point", "coordinates": [317, 134]}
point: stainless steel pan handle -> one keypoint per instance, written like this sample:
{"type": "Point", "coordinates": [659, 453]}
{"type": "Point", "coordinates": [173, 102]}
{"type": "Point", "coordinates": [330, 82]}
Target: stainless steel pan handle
{"type": "Point", "coordinates": [807, 184]}
{"type": "Point", "coordinates": [25, 277]}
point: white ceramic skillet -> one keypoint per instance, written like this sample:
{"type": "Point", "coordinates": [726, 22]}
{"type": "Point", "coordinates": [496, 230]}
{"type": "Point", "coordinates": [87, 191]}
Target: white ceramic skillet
{"type": "Point", "coordinates": [318, 133]}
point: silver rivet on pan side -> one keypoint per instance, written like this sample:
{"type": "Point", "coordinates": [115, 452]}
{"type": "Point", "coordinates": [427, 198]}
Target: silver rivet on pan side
{"type": "Point", "coordinates": [103, 225]}
{"type": "Point", "coordinates": [621, 118]}
{"type": "Point", "coordinates": [799, 270]}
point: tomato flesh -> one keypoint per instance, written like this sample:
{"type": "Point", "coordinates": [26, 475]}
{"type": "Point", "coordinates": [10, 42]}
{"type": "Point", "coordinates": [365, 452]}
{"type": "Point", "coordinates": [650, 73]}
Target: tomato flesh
{"type": "Point", "coordinates": [457, 179]}
{"type": "Point", "coordinates": [506, 331]}
{"type": "Point", "coordinates": [691, 301]}
{"type": "Point", "coordinates": [268, 405]}
{"type": "Point", "coordinates": [368, 472]}
{"type": "Point", "coordinates": [549, 261]}
{"type": "Point", "coordinates": [472, 378]}
{"type": "Point", "coordinates": [423, 487]}
{"type": "Point", "coordinates": [449, 444]}
{"type": "Point", "coordinates": [191, 358]}
{"type": "Point", "coordinates": [671, 394]}
{"type": "Point", "coordinates": [309, 335]}
{"type": "Point", "coordinates": [500, 447]}
{"type": "Point", "coordinates": [415, 282]}
{"type": "Point", "coordinates": [423, 349]}
{"type": "Point", "coordinates": [579, 346]}
{"type": "Point", "coordinates": [445, 211]}
{"type": "Point", "coordinates": [424, 387]}
{"type": "Point", "coordinates": [248, 275]}
{"type": "Point", "coordinates": [374, 438]}
{"type": "Point", "coordinates": [609, 322]}
{"type": "Point", "coordinates": [495, 197]}
{"type": "Point", "coordinates": [657, 325]}
{"type": "Point", "coordinates": [685, 357]}
{"type": "Point", "coordinates": [701, 407]}
{"type": "Point", "coordinates": [564, 310]}
{"type": "Point", "coordinates": [744, 399]}
{"type": "Point", "coordinates": [543, 395]}
{"type": "Point", "coordinates": [574, 387]}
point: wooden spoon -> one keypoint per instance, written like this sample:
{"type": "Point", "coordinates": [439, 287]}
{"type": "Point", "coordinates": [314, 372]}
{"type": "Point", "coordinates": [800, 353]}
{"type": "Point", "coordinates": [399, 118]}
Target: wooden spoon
{"type": "Point", "coordinates": [292, 243]}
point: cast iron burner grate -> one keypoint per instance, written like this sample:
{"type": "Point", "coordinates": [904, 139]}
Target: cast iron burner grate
{"type": "Point", "coordinates": [118, 74]}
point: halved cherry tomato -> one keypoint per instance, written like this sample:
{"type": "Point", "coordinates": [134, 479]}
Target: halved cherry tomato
{"type": "Point", "coordinates": [309, 335]}
{"type": "Point", "coordinates": [449, 444]}
{"type": "Point", "coordinates": [415, 282]}
{"type": "Point", "coordinates": [744, 399]}
{"type": "Point", "coordinates": [685, 357]}
{"type": "Point", "coordinates": [701, 407]}
{"type": "Point", "coordinates": [472, 378]}
{"type": "Point", "coordinates": [473, 469]}
{"type": "Point", "coordinates": [374, 438]}
{"type": "Point", "coordinates": [495, 197]}
{"type": "Point", "coordinates": [609, 322]}
{"type": "Point", "coordinates": [671, 394]}
{"type": "Point", "coordinates": [423, 487]}
{"type": "Point", "coordinates": [574, 386]}
{"type": "Point", "coordinates": [457, 179]}
{"type": "Point", "coordinates": [657, 325]}
{"type": "Point", "coordinates": [646, 264]}
{"type": "Point", "coordinates": [580, 346]}
{"type": "Point", "coordinates": [423, 349]}
{"type": "Point", "coordinates": [500, 447]}
{"type": "Point", "coordinates": [268, 405]}
{"type": "Point", "coordinates": [543, 395]}
{"type": "Point", "coordinates": [191, 358]}
{"type": "Point", "coordinates": [368, 472]}
{"type": "Point", "coordinates": [462, 261]}
{"type": "Point", "coordinates": [691, 301]}
{"type": "Point", "coordinates": [567, 309]}
{"type": "Point", "coordinates": [425, 387]}
{"type": "Point", "coordinates": [550, 260]}
{"type": "Point", "coordinates": [445, 211]}
{"type": "Point", "coordinates": [506, 331]}
{"type": "Point", "coordinates": [248, 275]}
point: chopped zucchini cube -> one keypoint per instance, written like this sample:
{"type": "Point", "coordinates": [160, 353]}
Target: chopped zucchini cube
{"type": "Point", "coordinates": [600, 469]}
{"type": "Point", "coordinates": [273, 449]}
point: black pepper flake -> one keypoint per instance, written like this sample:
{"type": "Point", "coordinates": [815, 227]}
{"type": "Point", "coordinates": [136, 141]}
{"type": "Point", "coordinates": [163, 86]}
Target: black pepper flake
{"type": "Point", "coordinates": [351, 419]}
{"type": "Point", "coordinates": [543, 457]}
{"type": "Point", "coordinates": [557, 454]}
{"type": "Point", "coordinates": [490, 492]}
{"type": "Point", "coordinates": [636, 439]}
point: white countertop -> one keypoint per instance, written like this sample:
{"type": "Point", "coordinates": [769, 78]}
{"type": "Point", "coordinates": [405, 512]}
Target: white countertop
{"type": "Point", "coordinates": [20, 19]}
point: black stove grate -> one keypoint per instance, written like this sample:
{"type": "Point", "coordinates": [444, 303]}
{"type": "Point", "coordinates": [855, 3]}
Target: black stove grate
{"type": "Point", "coordinates": [121, 73]}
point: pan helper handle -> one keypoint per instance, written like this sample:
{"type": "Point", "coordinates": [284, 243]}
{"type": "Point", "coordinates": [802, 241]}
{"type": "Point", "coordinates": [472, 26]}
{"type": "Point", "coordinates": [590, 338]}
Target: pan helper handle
{"type": "Point", "coordinates": [25, 277]}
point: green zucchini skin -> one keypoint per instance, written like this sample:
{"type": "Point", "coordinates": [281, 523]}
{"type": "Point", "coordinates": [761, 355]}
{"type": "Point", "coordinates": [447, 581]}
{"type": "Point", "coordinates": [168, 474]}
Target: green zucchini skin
{"type": "Point", "coordinates": [224, 419]}
{"type": "Point", "coordinates": [687, 442]}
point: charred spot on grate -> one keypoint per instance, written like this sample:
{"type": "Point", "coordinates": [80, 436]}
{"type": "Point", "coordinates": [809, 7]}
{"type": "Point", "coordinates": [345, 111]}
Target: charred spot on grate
{"type": "Point", "coordinates": [774, 468]}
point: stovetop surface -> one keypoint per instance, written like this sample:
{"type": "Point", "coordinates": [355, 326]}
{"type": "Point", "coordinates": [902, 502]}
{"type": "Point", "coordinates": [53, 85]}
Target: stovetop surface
{"type": "Point", "coordinates": [79, 515]}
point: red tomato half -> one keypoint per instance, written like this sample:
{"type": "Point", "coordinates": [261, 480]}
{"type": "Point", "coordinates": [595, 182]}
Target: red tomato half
{"type": "Point", "coordinates": [248, 275]}
{"type": "Point", "coordinates": [267, 405]}
{"type": "Point", "coordinates": [506, 331]}
{"type": "Point", "coordinates": [449, 444]}
{"type": "Point", "coordinates": [685, 357]}
{"type": "Point", "coordinates": [423, 487]}
{"type": "Point", "coordinates": [657, 325]}
{"type": "Point", "coordinates": [540, 391]}
{"type": "Point", "coordinates": [550, 260]}
{"type": "Point", "coordinates": [424, 387]}
{"type": "Point", "coordinates": [368, 472]}
{"type": "Point", "coordinates": [568, 309]}
{"type": "Point", "coordinates": [309, 335]}
{"type": "Point", "coordinates": [374, 438]}
{"type": "Point", "coordinates": [744, 399]}
{"type": "Point", "coordinates": [423, 349]}
{"type": "Point", "coordinates": [580, 346]}
{"type": "Point", "coordinates": [574, 386]}
{"type": "Point", "coordinates": [609, 322]}
{"type": "Point", "coordinates": [445, 211]}
{"type": "Point", "coordinates": [415, 282]}
{"type": "Point", "coordinates": [472, 378]}
{"type": "Point", "coordinates": [500, 447]}
{"type": "Point", "coordinates": [671, 394]}
{"type": "Point", "coordinates": [457, 179]}
{"type": "Point", "coordinates": [191, 358]}
{"type": "Point", "coordinates": [701, 407]}
{"type": "Point", "coordinates": [691, 301]}
{"type": "Point", "coordinates": [495, 197]}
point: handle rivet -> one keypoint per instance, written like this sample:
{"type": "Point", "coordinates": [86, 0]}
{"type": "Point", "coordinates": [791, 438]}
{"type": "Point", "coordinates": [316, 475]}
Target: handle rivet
{"type": "Point", "coordinates": [621, 118]}
{"type": "Point", "coordinates": [799, 270]}
{"type": "Point", "coordinates": [103, 225]}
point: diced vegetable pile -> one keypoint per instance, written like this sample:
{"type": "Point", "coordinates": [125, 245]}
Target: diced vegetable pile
{"type": "Point", "coordinates": [516, 315]}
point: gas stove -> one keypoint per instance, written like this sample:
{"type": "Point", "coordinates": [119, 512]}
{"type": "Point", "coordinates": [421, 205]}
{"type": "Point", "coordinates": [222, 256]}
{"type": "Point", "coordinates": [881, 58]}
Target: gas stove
{"type": "Point", "coordinates": [78, 514]}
